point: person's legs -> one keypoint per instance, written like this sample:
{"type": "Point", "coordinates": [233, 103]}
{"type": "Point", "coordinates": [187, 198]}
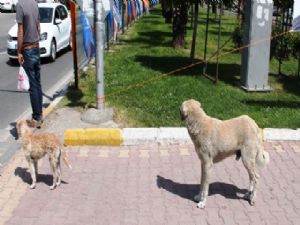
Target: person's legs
{"type": "Point", "coordinates": [32, 68]}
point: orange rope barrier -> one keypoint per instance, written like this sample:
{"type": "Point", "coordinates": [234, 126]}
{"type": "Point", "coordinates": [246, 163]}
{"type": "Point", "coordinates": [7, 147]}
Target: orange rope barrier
{"type": "Point", "coordinates": [142, 83]}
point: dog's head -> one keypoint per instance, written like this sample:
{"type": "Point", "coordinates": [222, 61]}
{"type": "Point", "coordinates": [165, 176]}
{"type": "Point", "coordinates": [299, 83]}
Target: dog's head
{"type": "Point", "coordinates": [22, 127]}
{"type": "Point", "coordinates": [187, 107]}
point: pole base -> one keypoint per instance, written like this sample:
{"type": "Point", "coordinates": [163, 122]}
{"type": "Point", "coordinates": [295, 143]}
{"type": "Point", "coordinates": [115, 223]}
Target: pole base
{"type": "Point", "coordinates": [257, 89]}
{"type": "Point", "coordinates": [97, 116]}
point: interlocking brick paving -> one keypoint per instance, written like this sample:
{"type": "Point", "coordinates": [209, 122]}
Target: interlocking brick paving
{"type": "Point", "coordinates": [150, 184]}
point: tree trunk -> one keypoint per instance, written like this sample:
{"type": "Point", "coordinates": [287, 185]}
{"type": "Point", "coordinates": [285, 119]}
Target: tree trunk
{"type": "Point", "coordinates": [167, 11]}
{"type": "Point", "coordinates": [279, 67]}
{"type": "Point", "coordinates": [195, 20]}
{"type": "Point", "coordinates": [180, 18]}
{"type": "Point", "coordinates": [299, 66]}
{"type": "Point", "coordinates": [214, 10]}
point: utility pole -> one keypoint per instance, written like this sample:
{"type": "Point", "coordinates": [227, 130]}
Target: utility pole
{"type": "Point", "coordinates": [100, 9]}
{"type": "Point", "coordinates": [74, 43]}
{"type": "Point", "coordinates": [99, 26]}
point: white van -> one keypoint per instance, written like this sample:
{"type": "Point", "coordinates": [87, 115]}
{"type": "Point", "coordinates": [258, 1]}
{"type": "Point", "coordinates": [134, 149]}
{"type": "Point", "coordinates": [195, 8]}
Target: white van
{"type": "Point", "coordinates": [8, 5]}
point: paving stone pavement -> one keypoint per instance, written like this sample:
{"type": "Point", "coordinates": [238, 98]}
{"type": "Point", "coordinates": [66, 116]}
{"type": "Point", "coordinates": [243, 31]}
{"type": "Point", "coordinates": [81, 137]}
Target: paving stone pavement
{"type": "Point", "coordinates": [150, 184]}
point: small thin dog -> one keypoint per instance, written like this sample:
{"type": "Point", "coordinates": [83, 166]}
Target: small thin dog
{"type": "Point", "coordinates": [36, 146]}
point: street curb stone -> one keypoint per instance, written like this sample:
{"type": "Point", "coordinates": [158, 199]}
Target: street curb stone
{"type": "Point", "coordinates": [275, 134]}
{"type": "Point", "coordinates": [162, 135]}
{"type": "Point", "coordinates": [93, 136]}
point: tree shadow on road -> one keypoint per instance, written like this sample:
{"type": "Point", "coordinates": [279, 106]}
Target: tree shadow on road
{"type": "Point", "coordinates": [188, 191]}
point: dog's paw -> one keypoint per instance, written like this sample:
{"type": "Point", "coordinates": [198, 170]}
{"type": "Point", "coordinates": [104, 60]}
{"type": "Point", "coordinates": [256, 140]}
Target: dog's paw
{"type": "Point", "coordinates": [53, 187]}
{"type": "Point", "coordinates": [249, 196]}
{"type": "Point", "coordinates": [201, 205]}
{"type": "Point", "coordinates": [32, 186]}
{"type": "Point", "coordinates": [197, 198]}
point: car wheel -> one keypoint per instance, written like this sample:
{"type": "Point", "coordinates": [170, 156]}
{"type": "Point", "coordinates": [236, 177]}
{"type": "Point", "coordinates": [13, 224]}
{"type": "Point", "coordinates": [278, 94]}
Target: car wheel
{"type": "Point", "coordinates": [52, 51]}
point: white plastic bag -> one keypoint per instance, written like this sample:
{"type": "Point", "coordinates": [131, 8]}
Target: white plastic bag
{"type": "Point", "coordinates": [23, 81]}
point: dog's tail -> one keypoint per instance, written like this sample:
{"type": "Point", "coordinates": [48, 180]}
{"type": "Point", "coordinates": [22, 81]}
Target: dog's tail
{"type": "Point", "coordinates": [262, 157]}
{"type": "Point", "coordinates": [65, 158]}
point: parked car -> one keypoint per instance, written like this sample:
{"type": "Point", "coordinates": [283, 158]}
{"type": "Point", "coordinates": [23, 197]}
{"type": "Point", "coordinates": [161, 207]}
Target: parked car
{"type": "Point", "coordinates": [9, 5]}
{"type": "Point", "coordinates": [55, 32]}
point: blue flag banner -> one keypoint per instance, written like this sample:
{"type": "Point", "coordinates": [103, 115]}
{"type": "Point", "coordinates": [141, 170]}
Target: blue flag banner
{"type": "Point", "coordinates": [117, 14]}
{"type": "Point", "coordinates": [296, 16]}
{"type": "Point", "coordinates": [129, 9]}
{"type": "Point", "coordinates": [88, 39]}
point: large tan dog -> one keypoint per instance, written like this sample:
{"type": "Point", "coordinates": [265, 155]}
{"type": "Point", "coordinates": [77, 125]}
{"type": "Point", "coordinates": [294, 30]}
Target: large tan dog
{"type": "Point", "coordinates": [36, 146]}
{"type": "Point", "coordinates": [215, 140]}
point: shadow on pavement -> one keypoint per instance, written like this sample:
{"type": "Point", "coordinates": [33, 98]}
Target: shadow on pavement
{"type": "Point", "coordinates": [188, 191]}
{"type": "Point", "coordinates": [23, 174]}
{"type": "Point", "coordinates": [26, 177]}
{"type": "Point", "coordinates": [13, 130]}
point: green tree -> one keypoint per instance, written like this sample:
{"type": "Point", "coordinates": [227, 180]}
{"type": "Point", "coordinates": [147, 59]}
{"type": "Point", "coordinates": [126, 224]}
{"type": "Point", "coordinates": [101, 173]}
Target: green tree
{"type": "Point", "coordinates": [281, 46]}
{"type": "Point", "coordinates": [176, 11]}
{"type": "Point", "coordinates": [180, 19]}
{"type": "Point", "coordinates": [284, 3]}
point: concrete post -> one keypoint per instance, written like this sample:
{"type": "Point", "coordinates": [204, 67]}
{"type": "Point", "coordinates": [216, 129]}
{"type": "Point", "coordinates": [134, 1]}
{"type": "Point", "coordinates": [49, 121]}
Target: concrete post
{"type": "Point", "coordinates": [255, 58]}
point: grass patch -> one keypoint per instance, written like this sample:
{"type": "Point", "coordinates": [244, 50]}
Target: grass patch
{"type": "Point", "coordinates": [143, 95]}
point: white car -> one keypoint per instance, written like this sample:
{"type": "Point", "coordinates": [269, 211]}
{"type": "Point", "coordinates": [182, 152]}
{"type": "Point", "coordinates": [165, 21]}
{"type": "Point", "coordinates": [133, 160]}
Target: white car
{"type": "Point", "coordinates": [55, 33]}
{"type": "Point", "coordinates": [8, 5]}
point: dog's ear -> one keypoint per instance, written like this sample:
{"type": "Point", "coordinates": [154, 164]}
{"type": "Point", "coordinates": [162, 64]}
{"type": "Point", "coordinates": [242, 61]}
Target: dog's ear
{"type": "Point", "coordinates": [195, 102]}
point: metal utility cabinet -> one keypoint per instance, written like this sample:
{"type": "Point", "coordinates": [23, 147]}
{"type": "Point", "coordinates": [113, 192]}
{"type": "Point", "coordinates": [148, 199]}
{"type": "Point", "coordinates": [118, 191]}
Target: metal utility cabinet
{"type": "Point", "coordinates": [257, 33]}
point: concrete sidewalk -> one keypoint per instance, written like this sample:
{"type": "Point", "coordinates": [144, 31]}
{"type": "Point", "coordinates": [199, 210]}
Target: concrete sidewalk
{"type": "Point", "coordinates": [150, 184]}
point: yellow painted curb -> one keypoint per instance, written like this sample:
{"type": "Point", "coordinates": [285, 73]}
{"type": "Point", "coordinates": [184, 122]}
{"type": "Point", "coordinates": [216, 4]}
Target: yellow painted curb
{"type": "Point", "coordinates": [74, 137]}
{"type": "Point", "coordinates": [47, 111]}
{"type": "Point", "coordinates": [93, 136]}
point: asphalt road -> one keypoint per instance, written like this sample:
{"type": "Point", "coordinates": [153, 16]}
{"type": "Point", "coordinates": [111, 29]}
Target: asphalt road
{"type": "Point", "coordinates": [55, 76]}
{"type": "Point", "coordinates": [13, 102]}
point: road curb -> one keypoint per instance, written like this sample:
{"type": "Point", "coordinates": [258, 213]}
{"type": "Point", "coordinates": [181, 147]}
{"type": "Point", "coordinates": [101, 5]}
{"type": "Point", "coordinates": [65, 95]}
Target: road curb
{"type": "Point", "coordinates": [93, 136]}
{"type": "Point", "coordinates": [163, 135]}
